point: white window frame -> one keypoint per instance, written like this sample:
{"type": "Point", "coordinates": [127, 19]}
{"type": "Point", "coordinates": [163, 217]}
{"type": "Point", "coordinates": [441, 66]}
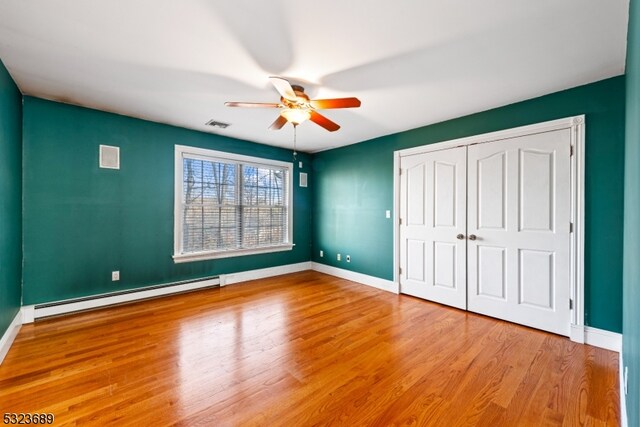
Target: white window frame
{"type": "Point", "coordinates": [206, 154]}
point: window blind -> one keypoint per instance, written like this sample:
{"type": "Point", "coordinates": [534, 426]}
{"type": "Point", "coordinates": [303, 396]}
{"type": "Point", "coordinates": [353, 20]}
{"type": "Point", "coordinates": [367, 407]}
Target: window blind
{"type": "Point", "coordinates": [230, 205]}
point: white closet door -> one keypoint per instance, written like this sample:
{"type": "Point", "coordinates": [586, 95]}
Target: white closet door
{"type": "Point", "coordinates": [519, 212]}
{"type": "Point", "coordinates": [433, 213]}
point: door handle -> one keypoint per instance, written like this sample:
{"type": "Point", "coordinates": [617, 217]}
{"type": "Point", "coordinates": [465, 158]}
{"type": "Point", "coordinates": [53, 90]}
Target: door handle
{"type": "Point", "coordinates": [460, 236]}
{"type": "Point", "coordinates": [472, 237]}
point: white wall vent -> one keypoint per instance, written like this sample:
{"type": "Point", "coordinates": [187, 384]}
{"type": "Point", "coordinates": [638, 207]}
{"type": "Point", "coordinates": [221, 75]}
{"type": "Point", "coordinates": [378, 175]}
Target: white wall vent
{"type": "Point", "coordinates": [109, 157]}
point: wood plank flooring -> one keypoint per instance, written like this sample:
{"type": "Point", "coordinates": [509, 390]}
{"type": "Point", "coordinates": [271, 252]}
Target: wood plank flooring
{"type": "Point", "coordinates": [303, 349]}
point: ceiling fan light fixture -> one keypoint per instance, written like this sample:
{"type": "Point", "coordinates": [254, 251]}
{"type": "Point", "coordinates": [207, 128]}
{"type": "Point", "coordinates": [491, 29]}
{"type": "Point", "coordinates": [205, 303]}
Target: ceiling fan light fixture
{"type": "Point", "coordinates": [296, 115]}
{"type": "Point", "coordinates": [296, 107]}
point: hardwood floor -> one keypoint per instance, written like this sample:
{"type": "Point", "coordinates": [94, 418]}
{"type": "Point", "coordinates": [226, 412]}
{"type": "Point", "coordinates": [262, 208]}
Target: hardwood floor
{"type": "Point", "coordinates": [300, 350]}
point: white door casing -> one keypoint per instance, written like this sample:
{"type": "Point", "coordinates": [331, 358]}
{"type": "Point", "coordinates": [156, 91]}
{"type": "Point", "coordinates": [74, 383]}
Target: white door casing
{"type": "Point", "coordinates": [433, 211]}
{"type": "Point", "coordinates": [519, 213]}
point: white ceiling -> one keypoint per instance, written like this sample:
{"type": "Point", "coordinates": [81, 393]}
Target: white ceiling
{"type": "Point", "coordinates": [411, 62]}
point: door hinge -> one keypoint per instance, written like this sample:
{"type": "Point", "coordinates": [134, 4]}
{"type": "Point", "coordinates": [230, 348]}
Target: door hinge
{"type": "Point", "coordinates": [570, 227]}
{"type": "Point", "coordinates": [400, 270]}
{"type": "Point", "coordinates": [400, 221]}
{"type": "Point", "coordinates": [570, 304]}
{"type": "Point", "coordinates": [400, 171]}
{"type": "Point", "coordinates": [570, 150]}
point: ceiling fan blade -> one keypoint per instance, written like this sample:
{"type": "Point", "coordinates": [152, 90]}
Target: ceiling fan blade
{"type": "Point", "coordinates": [278, 123]}
{"type": "Point", "coordinates": [335, 103]}
{"type": "Point", "coordinates": [321, 120]}
{"type": "Point", "coordinates": [252, 104]}
{"type": "Point", "coordinates": [284, 88]}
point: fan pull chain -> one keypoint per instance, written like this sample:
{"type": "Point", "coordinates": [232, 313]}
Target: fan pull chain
{"type": "Point", "coordinates": [295, 137]}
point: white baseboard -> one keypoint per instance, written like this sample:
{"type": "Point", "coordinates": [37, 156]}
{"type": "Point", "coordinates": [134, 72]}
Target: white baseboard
{"type": "Point", "coordinates": [7, 338]}
{"type": "Point", "coordinates": [243, 276]}
{"type": "Point", "coordinates": [376, 282]}
{"type": "Point", "coordinates": [603, 339]}
{"type": "Point", "coordinates": [624, 421]}
{"type": "Point", "coordinates": [596, 337]}
{"type": "Point", "coordinates": [28, 314]}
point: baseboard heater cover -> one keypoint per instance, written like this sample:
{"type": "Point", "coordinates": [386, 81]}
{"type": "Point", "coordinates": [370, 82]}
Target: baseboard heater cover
{"type": "Point", "coordinates": [119, 297]}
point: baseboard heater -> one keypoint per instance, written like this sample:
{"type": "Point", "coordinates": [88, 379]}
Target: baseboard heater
{"type": "Point", "coordinates": [119, 297]}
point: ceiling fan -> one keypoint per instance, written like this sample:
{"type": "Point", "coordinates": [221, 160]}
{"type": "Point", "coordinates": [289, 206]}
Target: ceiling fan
{"type": "Point", "coordinates": [297, 107]}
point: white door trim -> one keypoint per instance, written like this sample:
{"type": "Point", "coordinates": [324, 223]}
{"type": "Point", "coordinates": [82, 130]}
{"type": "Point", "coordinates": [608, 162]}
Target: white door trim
{"type": "Point", "coordinates": [577, 126]}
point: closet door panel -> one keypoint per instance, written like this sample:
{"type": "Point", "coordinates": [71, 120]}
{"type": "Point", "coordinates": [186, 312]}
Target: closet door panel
{"type": "Point", "coordinates": [519, 217]}
{"type": "Point", "coordinates": [433, 214]}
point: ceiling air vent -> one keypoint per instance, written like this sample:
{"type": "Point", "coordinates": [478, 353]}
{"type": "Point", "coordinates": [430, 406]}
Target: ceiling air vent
{"type": "Point", "coordinates": [216, 124]}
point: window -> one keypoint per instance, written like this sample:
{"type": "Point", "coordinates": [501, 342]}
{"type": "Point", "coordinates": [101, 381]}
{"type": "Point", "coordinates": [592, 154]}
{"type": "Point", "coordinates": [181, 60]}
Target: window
{"type": "Point", "coordinates": [230, 205]}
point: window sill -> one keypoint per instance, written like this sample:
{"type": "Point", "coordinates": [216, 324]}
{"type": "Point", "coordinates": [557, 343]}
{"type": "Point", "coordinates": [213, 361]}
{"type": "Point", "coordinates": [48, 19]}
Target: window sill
{"type": "Point", "coordinates": [202, 256]}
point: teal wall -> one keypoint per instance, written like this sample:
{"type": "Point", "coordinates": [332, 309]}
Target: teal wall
{"type": "Point", "coordinates": [10, 199]}
{"type": "Point", "coordinates": [354, 187]}
{"type": "Point", "coordinates": [631, 275]}
{"type": "Point", "coordinates": [81, 222]}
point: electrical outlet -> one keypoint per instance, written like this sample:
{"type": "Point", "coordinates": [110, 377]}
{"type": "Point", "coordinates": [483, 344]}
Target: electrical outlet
{"type": "Point", "coordinates": [626, 379]}
{"type": "Point", "coordinates": [388, 214]}
{"type": "Point", "coordinates": [321, 254]}
{"type": "Point", "coordinates": [115, 276]}
{"type": "Point", "coordinates": [339, 257]}
{"type": "Point", "coordinates": [348, 258]}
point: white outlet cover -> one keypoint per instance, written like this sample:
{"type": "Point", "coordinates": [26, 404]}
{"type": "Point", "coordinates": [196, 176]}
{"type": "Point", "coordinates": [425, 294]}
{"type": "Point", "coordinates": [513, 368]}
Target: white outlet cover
{"type": "Point", "coordinates": [626, 379]}
{"type": "Point", "coordinates": [338, 257]}
{"type": "Point", "coordinates": [303, 179]}
{"type": "Point", "coordinates": [388, 214]}
{"type": "Point", "coordinates": [321, 254]}
{"type": "Point", "coordinates": [115, 276]}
